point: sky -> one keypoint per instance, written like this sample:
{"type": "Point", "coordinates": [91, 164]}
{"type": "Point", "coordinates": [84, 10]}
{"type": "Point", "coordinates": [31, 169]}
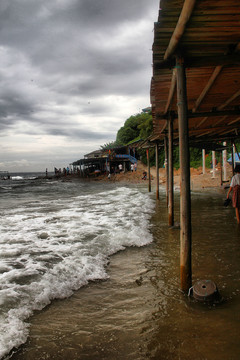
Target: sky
{"type": "Point", "coordinates": [71, 73]}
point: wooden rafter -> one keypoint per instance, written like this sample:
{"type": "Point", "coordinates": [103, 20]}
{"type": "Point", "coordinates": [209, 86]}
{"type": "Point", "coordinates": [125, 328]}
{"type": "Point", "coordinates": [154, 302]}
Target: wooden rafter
{"type": "Point", "coordinates": [231, 99]}
{"type": "Point", "coordinates": [179, 30]}
{"type": "Point", "coordinates": [234, 121]}
{"type": "Point", "coordinates": [171, 91]}
{"type": "Point", "coordinates": [204, 114]}
{"type": "Point", "coordinates": [220, 120]}
{"type": "Point", "coordinates": [201, 122]}
{"type": "Point", "coordinates": [213, 77]}
{"type": "Point", "coordinates": [201, 61]}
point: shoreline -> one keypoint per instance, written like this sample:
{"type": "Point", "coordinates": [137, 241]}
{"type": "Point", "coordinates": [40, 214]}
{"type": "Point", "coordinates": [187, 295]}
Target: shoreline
{"type": "Point", "coordinates": [199, 181]}
{"type": "Point", "coordinates": [138, 312]}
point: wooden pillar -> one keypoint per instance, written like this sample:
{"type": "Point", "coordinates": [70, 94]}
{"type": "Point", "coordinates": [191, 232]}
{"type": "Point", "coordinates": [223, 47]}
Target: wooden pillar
{"type": "Point", "coordinates": [203, 161]}
{"type": "Point", "coordinates": [157, 171]}
{"type": "Point", "coordinates": [170, 174]}
{"type": "Point", "coordinates": [221, 168]}
{"type": "Point", "coordinates": [213, 164]}
{"type": "Point", "coordinates": [232, 159]}
{"type": "Point", "coordinates": [166, 165]}
{"type": "Point", "coordinates": [149, 174]}
{"type": "Point", "coordinates": [185, 195]}
{"type": "Point", "coordinates": [224, 163]}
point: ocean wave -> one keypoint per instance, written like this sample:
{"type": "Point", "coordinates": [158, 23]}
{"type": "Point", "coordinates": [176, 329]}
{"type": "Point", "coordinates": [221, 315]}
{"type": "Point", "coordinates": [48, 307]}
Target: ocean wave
{"type": "Point", "coordinates": [51, 248]}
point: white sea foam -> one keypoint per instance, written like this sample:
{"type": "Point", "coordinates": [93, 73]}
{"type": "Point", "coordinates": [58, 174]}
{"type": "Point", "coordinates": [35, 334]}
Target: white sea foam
{"type": "Point", "coordinates": [53, 247]}
{"type": "Point", "coordinates": [17, 178]}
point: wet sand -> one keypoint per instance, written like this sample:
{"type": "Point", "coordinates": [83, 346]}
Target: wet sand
{"type": "Point", "coordinates": [139, 312]}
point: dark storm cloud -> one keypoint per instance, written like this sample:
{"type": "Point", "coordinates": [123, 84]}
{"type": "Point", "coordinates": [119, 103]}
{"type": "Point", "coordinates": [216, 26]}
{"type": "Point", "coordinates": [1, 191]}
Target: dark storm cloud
{"type": "Point", "coordinates": [79, 134]}
{"type": "Point", "coordinates": [11, 106]}
{"type": "Point", "coordinates": [80, 63]}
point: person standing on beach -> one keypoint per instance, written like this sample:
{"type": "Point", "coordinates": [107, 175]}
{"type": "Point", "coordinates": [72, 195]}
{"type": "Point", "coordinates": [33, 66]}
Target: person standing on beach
{"type": "Point", "coordinates": [235, 186]}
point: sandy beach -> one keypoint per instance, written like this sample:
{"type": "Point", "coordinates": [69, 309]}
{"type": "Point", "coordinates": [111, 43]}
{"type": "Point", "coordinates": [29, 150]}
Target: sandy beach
{"type": "Point", "coordinates": [199, 181]}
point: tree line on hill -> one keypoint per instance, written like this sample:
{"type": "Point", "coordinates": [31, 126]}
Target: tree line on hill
{"type": "Point", "coordinates": [139, 127]}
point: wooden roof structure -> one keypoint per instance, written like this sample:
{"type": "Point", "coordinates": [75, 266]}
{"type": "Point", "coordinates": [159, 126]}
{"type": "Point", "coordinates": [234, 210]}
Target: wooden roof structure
{"type": "Point", "coordinates": [206, 34]}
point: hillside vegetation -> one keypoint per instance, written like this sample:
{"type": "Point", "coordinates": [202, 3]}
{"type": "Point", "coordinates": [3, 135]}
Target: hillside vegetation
{"type": "Point", "coordinates": [139, 127]}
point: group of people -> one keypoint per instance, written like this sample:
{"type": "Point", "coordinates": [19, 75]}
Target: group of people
{"type": "Point", "coordinates": [58, 172]}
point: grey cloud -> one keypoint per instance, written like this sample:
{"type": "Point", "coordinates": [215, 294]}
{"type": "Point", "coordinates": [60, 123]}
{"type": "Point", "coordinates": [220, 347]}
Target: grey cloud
{"type": "Point", "coordinates": [79, 134]}
{"type": "Point", "coordinates": [64, 61]}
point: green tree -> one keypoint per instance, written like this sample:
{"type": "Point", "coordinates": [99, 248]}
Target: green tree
{"type": "Point", "coordinates": [137, 126]}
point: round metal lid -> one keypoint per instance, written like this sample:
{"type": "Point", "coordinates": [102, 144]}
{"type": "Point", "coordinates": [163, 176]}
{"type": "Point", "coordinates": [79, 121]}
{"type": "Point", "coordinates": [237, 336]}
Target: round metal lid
{"type": "Point", "coordinates": [205, 290]}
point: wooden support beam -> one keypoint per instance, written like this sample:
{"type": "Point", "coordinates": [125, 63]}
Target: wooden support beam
{"type": "Point", "coordinates": [232, 158]}
{"type": "Point", "coordinates": [203, 161]}
{"type": "Point", "coordinates": [213, 164]}
{"type": "Point", "coordinates": [224, 163]}
{"type": "Point", "coordinates": [170, 174]}
{"type": "Point", "coordinates": [221, 168]}
{"type": "Point", "coordinates": [213, 77]}
{"type": "Point", "coordinates": [185, 196]}
{"type": "Point", "coordinates": [201, 122]}
{"type": "Point", "coordinates": [213, 128]}
{"type": "Point", "coordinates": [149, 173]}
{"type": "Point", "coordinates": [234, 121]}
{"type": "Point", "coordinates": [171, 91]}
{"type": "Point", "coordinates": [185, 15]}
{"type": "Point", "coordinates": [166, 165]}
{"type": "Point", "coordinates": [237, 94]}
{"type": "Point", "coordinates": [203, 114]}
{"type": "Point", "coordinates": [157, 170]}
{"type": "Point", "coordinates": [199, 61]}
{"type": "Point", "coordinates": [221, 120]}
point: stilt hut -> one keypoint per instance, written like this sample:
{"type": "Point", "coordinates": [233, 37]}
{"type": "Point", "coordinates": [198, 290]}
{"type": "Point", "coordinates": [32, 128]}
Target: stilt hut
{"type": "Point", "coordinates": [195, 91]}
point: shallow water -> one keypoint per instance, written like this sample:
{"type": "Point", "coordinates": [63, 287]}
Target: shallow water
{"type": "Point", "coordinates": [138, 312]}
{"type": "Point", "coordinates": [55, 238]}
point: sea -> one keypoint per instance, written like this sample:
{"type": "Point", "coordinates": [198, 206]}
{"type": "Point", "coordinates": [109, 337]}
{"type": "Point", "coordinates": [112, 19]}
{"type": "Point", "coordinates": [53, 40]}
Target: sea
{"type": "Point", "coordinates": [91, 271]}
{"type": "Point", "coordinates": [56, 237]}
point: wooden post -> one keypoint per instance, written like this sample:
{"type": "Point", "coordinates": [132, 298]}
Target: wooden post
{"type": "Point", "coordinates": [149, 174]}
{"type": "Point", "coordinates": [157, 171]}
{"type": "Point", "coordinates": [166, 165]}
{"type": "Point", "coordinates": [213, 164]}
{"type": "Point", "coordinates": [185, 195]}
{"type": "Point", "coordinates": [203, 162]}
{"type": "Point", "coordinates": [232, 158]}
{"type": "Point", "coordinates": [170, 173]}
{"type": "Point", "coordinates": [224, 163]}
{"type": "Point", "coordinates": [221, 168]}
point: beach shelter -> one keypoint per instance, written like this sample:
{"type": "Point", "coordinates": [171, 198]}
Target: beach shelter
{"type": "Point", "coordinates": [195, 92]}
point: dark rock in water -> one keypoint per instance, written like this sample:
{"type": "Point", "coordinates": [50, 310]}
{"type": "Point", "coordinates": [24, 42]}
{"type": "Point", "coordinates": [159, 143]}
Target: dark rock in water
{"type": "Point", "coordinates": [43, 235]}
{"type": "Point", "coordinates": [139, 281]}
